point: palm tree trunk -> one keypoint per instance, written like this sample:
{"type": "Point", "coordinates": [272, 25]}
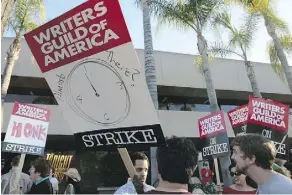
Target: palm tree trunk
{"type": "Point", "coordinates": [252, 79]}
{"type": "Point", "coordinates": [202, 47]}
{"type": "Point", "coordinates": [12, 56]}
{"type": "Point", "coordinates": [7, 6]}
{"type": "Point", "coordinates": [150, 74]}
{"type": "Point", "coordinates": [280, 52]}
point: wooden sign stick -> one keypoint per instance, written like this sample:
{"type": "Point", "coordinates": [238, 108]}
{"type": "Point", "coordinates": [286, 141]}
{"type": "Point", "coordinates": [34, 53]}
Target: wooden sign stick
{"type": "Point", "coordinates": [217, 172]}
{"type": "Point", "coordinates": [127, 162]}
{"type": "Point", "coordinates": [131, 170]}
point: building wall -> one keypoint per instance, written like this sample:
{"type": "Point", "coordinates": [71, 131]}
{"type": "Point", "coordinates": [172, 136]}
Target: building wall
{"type": "Point", "coordinates": [178, 70]}
{"type": "Point", "coordinates": [179, 123]}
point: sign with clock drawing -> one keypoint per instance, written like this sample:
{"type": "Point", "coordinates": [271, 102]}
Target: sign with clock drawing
{"type": "Point", "coordinates": [91, 66]}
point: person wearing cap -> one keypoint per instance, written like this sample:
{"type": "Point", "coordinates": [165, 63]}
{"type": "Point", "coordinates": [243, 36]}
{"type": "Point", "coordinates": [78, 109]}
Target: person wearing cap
{"type": "Point", "coordinates": [73, 181]}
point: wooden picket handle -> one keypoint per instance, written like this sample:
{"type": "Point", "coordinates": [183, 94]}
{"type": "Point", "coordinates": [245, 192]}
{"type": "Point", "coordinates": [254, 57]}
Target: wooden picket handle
{"type": "Point", "coordinates": [217, 172]}
{"type": "Point", "coordinates": [127, 162]}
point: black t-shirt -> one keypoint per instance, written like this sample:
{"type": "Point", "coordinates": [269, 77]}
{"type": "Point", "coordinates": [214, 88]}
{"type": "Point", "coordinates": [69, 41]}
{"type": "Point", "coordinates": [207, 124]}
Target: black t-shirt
{"type": "Point", "coordinates": [44, 187]}
{"type": "Point", "coordinates": [288, 165]}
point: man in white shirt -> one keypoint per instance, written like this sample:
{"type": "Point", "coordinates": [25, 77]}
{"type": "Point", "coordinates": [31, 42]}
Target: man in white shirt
{"type": "Point", "coordinates": [8, 184]}
{"type": "Point", "coordinates": [141, 164]}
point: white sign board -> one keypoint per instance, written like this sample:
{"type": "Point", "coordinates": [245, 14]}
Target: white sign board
{"type": "Point", "coordinates": [27, 130]}
{"type": "Point", "coordinates": [91, 66]}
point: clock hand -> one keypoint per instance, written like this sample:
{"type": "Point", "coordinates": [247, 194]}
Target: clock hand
{"type": "Point", "coordinates": [96, 94]}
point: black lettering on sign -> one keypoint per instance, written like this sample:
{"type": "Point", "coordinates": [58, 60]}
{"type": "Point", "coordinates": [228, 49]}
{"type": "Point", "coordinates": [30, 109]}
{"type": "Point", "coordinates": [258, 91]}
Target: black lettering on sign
{"type": "Point", "coordinates": [58, 92]}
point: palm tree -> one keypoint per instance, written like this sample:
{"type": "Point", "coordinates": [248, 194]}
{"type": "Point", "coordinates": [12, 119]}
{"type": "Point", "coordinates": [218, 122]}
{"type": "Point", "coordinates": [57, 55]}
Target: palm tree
{"type": "Point", "coordinates": [150, 72]}
{"type": "Point", "coordinates": [6, 7]}
{"type": "Point", "coordinates": [286, 42]}
{"type": "Point", "coordinates": [274, 26]}
{"type": "Point", "coordinates": [240, 41]}
{"type": "Point", "coordinates": [26, 15]}
{"type": "Point", "coordinates": [193, 14]}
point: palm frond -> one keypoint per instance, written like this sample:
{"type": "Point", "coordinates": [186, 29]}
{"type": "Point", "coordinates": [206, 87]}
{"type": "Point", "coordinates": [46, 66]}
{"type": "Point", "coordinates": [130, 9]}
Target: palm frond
{"type": "Point", "coordinates": [286, 42]}
{"type": "Point", "coordinates": [248, 29]}
{"type": "Point", "coordinates": [27, 15]}
{"type": "Point", "coordinates": [253, 6]}
{"type": "Point", "coordinates": [205, 9]}
{"type": "Point", "coordinates": [199, 62]}
{"type": "Point", "coordinates": [222, 19]}
{"type": "Point", "coordinates": [222, 50]}
{"type": "Point", "coordinates": [173, 13]}
{"type": "Point", "coordinates": [278, 23]}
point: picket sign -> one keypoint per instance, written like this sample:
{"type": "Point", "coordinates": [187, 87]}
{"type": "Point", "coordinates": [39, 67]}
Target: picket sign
{"type": "Point", "coordinates": [212, 129]}
{"type": "Point", "coordinates": [88, 58]}
{"type": "Point", "coordinates": [26, 134]}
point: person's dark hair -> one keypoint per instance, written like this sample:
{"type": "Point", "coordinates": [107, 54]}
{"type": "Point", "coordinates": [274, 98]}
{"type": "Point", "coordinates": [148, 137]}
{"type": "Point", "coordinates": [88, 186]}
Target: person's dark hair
{"type": "Point", "coordinates": [75, 184]}
{"type": "Point", "coordinates": [15, 161]}
{"type": "Point", "coordinates": [41, 166]}
{"type": "Point", "coordinates": [177, 160]}
{"type": "Point", "coordinates": [258, 146]}
{"type": "Point", "coordinates": [138, 156]}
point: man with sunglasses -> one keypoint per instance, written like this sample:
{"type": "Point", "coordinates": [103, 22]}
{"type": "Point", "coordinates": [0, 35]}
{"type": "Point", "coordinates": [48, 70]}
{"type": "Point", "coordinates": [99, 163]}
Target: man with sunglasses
{"type": "Point", "coordinates": [240, 183]}
{"type": "Point", "coordinates": [254, 156]}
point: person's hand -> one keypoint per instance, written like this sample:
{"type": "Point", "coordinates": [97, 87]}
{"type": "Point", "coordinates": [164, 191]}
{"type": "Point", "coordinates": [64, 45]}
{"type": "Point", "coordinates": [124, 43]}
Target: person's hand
{"type": "Point", "coordinates": [219, 189]}
{"type": "Point", "coordinates": [207, 174]}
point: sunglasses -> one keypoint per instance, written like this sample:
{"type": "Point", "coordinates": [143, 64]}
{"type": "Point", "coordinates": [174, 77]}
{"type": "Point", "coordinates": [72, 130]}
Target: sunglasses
{"type": "Point", "coordinates": [232, 174]}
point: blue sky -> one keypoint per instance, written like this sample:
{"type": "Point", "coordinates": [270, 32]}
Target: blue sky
{"type": "Point", "coordinates": [173, 40]}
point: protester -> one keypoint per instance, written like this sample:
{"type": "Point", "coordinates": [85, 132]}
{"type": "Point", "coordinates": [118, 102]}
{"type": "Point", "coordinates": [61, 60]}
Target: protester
{"type": "Point", "coordinates": [73, 179]}
{"type": "Point", "coordinates": [206, 173]}
{"type": "Point", "coordinates": [240, 185]}
{"type": "Point", "coordinates": [54, 181]}
{"type": "Point", "coordinates": [254, 156]}
{"type": "Point", "coordinates": [8, 184]}
{"type": "Point", "coordinates": [141, 164]}
{"type": "Point", "coordinates": [40, 175]}
{"type": "Point", "coordinates": [176, 164]}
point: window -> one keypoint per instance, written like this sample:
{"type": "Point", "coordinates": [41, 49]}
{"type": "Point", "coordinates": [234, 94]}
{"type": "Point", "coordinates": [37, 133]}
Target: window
{"type": "Point", "coordinates": [227, 108]}
{"type": "Point", "coordinates": [202, 108]}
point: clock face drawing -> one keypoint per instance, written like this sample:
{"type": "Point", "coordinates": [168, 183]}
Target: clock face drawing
{"type": "Point", "coordinates": [96, 92]}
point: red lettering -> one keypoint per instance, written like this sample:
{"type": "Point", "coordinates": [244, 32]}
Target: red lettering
{"type": "Point", "coordinates": [27, 130]}
{"type": "Point", "coordinates": [42, 133]}
{"type": "Point", "coordinates": [16, 129]}
{"type": "Point", "coordinates": [35, 131]}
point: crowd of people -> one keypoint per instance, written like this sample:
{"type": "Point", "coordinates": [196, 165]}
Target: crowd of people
{"type": "Point", "coordinates": [40, 180]}
{"type": "Point", "coordinates": [254, 169]}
